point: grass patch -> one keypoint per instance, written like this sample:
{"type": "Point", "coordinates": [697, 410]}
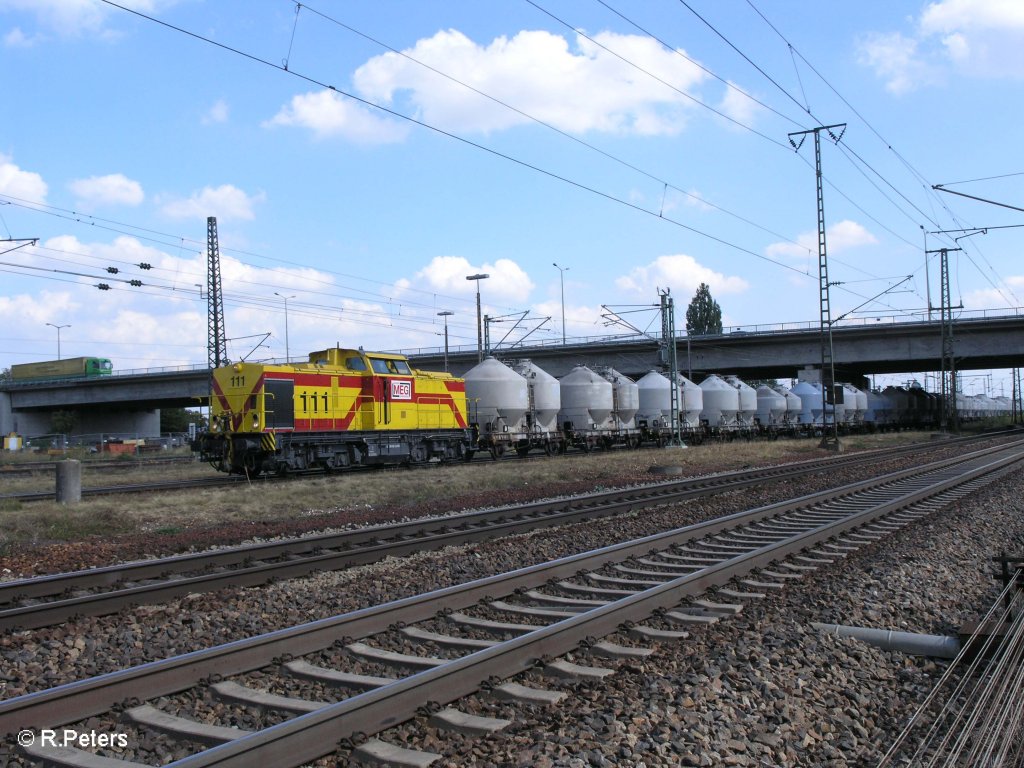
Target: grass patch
{"type": "Point", "coordinates": [419, 491]}
{"type": "Point", "coordinates": [56, 523]}
{"type": "Point", "coordinates": [168, 530]}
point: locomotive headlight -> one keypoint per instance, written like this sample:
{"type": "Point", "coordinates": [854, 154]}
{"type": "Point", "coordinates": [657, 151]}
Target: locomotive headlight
{"type": "Point", "coordinates": [255, 420]}
{"type": "Point", "coordinates": [237, 367]}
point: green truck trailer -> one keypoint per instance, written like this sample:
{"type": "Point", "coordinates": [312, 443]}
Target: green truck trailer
{"type": "Point", "coordinates": [69, 368]}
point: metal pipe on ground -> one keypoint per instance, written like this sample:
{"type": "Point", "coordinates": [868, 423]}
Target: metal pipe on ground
{"type": "Point", "coordinates": [937, 646]}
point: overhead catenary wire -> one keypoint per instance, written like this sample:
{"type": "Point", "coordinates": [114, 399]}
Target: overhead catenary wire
{"type": "Point", "coordinates": [927, 187]}
{"type": "Point", "coordinates": [175, 241]}
{"type": "Point", "coordinates": [482, 147]}
{"type": "Point", "coordinates": [629, 204]}
{"type": "Point", "coordinates": [844, 149]}
{"type": "Point", "coordinates": [664, 183]}
{"type": "Point", "coordinates": [799, 271]}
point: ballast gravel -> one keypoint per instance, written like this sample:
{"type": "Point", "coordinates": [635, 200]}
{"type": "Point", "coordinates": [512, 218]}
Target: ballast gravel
{"type": "Point", "coordinates": [763, 688]}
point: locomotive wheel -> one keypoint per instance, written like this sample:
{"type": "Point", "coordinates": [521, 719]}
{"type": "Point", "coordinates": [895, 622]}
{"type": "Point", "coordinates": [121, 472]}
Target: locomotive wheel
{"type": "Point", "coordinates": [468, 456]}
{"type": "Point", "coordinates": [251, 468]}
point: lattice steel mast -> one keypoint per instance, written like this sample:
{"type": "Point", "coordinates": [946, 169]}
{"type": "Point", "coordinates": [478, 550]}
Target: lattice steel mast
{"type": "Point", "coordinates": [828, 370]}
{"type": "Point", "coordinates": [668, 339]}
{"type": "Point", "coordinates": [949, 388]}
{"type": "Point", "coordinates": [217, 343]}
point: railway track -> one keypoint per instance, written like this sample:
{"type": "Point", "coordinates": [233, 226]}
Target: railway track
{"type": "Point", "coordinates": [228, 480]}
{"type": "Point", "coordinates": [28, 469]}
{"type": "Point", "coordinates": [129, 488]}
{"type": "Point", "coordinates": [349, 678]}
{"type": "Point", "coordinates": [48, 600]}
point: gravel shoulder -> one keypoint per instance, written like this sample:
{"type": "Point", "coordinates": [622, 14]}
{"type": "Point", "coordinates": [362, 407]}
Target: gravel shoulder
{"type": "Point", "coordinates": [760, 689]}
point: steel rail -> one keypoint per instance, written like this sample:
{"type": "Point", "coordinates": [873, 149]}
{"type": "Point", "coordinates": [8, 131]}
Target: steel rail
{"type": "Point", "coordinates": [78, 700]}
{"type": "Point", "coordinates": [229, 480]}
{"type": "Point", "coordinates": [310, 736]}
{"type": "Point", "coordinates": [110, 490]}
{"type": "Point", "coordinates": [244, 566]}
{"type": "Point", "coordinates": [52, 584]}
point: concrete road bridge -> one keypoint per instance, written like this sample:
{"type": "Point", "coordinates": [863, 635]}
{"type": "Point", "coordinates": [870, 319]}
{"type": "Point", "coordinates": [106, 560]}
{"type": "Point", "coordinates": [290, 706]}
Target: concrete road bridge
{"type": "Point", "coordinates": [129, 401]}
{"type": "Point", "coordinates": [981, 341]}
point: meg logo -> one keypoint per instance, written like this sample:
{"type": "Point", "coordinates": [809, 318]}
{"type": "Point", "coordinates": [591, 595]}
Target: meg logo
{"type": "Point", "coordinates": [401, 390]}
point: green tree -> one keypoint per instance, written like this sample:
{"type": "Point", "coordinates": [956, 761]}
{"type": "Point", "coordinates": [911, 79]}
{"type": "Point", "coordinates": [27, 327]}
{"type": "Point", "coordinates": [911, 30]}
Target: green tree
{"type": "Point", "coordinates": [64, 422]}
{"type": "Point", "coordinates": [178, 419]}
{"type": "Point", "coordinates": [5, 374]}
{"type": "Point", "coordinates": [703, 316]}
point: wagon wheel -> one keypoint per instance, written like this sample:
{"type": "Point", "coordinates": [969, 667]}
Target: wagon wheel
{"type": "Point", "coordinates": [522, 450]}
{"type": "Point", "coordinates": [550, 448]}
{"type": "Point", "coordinates": [497, 451]}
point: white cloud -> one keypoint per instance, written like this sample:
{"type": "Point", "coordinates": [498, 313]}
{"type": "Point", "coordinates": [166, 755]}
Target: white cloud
{"type": "Point", "coordinates": [950, 15]}
{"type": "Point", "coordinates": [218, 113]}
{"type": "Point", "coordinates": [226, 201]}
{"type": "Point", "coordinates": [112, 189]}
{"type": "Point", "coordinates": [847, 234]}
{"type": "Point", "coordinates": [328, 114]}
{"type": "Point", "coordinates": [580, 320]}
{"type": "Point", "coordinates": [990, 298]}
{"type": "Point", "coordinates": [894, 58]}
{"type": "Point", "coordinates": [74, 18]}
{"type": "Point", "coordinates": [738, 105]}
{"type": "Point", "coordinates": [980, 38]}
{"type": "Point", "coordinates": [24, 310]}
{"type": "Point", "coordinates": [682, 274]}
{"type": "Point", "coordinates": [588, 89]}
{"type": "Point", "coordinates": [15, 38]}
{"type": "Point", "coordinates": [841, 236]}
{"type": "Point", "coordinates": [447, 274]}
{"type": "Point", "coordinates": [22, 184]}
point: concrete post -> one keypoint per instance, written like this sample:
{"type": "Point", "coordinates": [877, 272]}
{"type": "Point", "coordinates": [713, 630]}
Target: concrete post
{"type": "Point", "coordinates": [69, 481]}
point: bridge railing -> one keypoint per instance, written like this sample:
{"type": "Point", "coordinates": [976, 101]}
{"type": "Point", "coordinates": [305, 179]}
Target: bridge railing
{"type": "Point", "coordinates": [803, 326]}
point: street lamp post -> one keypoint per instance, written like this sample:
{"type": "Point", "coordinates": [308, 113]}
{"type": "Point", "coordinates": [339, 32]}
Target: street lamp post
{"type": "Point", "coordinates": [58, 327]}
{"type": "Point", "coordinates": [287, 349]}
{"type": "Point", "coordinates": [446, 314]}
{"type": "Point", "coordinates": [561, 280]}
{"type": "Point", "coordinates": [479, 322]}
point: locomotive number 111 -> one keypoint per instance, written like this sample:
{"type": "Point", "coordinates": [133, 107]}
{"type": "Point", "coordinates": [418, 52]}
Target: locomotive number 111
{"type": "Point", "coordinates": [311, 402]}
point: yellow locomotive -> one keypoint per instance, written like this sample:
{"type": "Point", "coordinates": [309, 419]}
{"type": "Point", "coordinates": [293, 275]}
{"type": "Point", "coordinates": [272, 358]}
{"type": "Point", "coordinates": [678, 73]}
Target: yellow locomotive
{"type": "Point", "coordinates": [343, 408]}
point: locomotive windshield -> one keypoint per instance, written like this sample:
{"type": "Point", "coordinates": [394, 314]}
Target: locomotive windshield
{"type": "Point", "coordinates": [392, 367]}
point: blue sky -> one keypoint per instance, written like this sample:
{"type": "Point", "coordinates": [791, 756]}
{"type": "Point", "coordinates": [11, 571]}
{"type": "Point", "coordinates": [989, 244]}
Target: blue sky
{"type": "Point", "coordinates": [642, 145]}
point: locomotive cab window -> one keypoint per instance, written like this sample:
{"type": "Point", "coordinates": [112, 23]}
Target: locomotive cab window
{"type": "Point", "coordinates": [381, 366]}
{"type": "Point", "coordinates": [355, 364]}
{"type": "Point", "coordinates": [402, 367]}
